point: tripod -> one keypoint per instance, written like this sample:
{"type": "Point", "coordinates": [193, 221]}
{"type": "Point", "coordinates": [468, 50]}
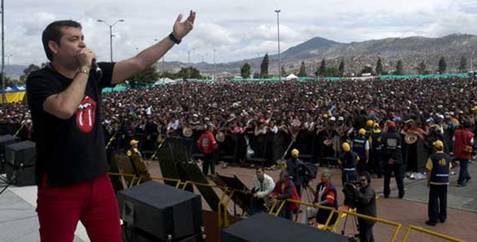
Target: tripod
{"type": "Point", "coordinates": [352, 238]}
{"type": "Point", "coordinates": [4, 184]}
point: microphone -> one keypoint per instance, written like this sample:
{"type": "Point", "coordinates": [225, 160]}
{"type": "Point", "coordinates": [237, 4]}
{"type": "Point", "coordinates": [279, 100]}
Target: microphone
{"type": "Point", "coordinates": [96, 70]}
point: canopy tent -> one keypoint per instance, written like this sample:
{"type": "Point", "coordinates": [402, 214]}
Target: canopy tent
{"type": "Point", "coordinates": [291, 77]}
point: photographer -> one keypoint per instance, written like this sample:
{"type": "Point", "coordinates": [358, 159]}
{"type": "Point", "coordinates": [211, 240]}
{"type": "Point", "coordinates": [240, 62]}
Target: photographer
{"type": "Point", "coordinates": [263, 185]}
{"type": "Point", "coordinates": [364, 199]}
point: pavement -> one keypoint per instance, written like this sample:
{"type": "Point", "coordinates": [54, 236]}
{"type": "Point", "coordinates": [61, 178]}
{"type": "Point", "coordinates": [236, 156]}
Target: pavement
{"type": "Point", "coordinates": [18, 221]}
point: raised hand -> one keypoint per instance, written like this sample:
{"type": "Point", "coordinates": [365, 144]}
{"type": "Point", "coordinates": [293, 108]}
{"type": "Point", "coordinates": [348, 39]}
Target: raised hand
{"type": "Point", "coordinates": [181, 29]}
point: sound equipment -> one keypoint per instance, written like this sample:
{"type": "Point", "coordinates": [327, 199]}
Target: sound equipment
{"type": "Point", "coordinates": [266, 228]}
{"type": "Point", "coordinates": [20, 161]}
{"type": "Point", "coordinates": [4, 141]}
{"type": "Point", "coordinates": [161, 211]}
{"type": "Point", "coordinates": [135, 235]}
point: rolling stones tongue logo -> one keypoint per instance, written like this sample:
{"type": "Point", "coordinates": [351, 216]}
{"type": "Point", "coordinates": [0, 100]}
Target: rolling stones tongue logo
{"type": "Point", "coordinates": [86, 115]}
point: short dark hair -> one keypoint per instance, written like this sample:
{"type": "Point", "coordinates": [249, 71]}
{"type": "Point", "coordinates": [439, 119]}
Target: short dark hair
{"type": "Point", "coordinates": [260, 168]}
{"type": "Point", "coordinates": [366, 174]}
{"type": "Point", "coordinates": [53, 32]}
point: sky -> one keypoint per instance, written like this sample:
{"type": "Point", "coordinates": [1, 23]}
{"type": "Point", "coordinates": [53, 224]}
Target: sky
{"type": "Point", "coordinates": [235, 29]}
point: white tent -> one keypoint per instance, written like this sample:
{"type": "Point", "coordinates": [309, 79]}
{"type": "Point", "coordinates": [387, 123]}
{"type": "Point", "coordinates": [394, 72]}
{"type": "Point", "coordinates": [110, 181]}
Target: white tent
{"type": "Point", "coordinates": [292, 77]}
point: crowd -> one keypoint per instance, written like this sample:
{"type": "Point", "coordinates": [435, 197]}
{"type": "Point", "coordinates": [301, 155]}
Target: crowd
{"type": "Point", "coordinates": [263, 119]}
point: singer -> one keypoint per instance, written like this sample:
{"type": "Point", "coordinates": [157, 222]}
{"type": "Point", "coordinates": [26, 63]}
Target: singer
{"type": "Point", "coordinates": [65, 102]}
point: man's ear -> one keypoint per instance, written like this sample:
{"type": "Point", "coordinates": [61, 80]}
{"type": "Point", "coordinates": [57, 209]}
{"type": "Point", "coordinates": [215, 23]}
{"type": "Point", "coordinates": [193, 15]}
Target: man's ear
{"type": "Point", "coordinates": [53, 46]}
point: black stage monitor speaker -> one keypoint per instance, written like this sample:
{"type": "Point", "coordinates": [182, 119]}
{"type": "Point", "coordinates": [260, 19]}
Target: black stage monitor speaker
{"type": "Point", "coordinates": [20, 163]}
{"type": "Point", "coordinates": [161, 210]}
{"type": "Point", "coordinates": [135, 235]}
{"type": "Point", "coordinates": [266, 228]}
{"type": "Point", "coordinates": [4, 141]}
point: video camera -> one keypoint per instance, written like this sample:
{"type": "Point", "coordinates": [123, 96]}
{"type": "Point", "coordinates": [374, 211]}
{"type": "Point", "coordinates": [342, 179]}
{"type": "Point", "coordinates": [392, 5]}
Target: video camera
{"type": "Point", "coordinates": [350, 190]}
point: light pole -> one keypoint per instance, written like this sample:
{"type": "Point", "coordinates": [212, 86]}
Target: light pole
{"type": "Point", "coordinates": [278, 40]}
{"type": "Point", "coordinates": [4, 97]}
{"type": "Point", "coordinates": [215, 66]}
{"type": "Point", "coordinates": [110, 34]}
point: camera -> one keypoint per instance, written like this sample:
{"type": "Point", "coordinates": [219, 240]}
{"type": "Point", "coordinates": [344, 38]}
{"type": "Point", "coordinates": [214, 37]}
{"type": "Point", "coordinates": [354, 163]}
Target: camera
{"type": "Point", "coordinates": [350, 190]}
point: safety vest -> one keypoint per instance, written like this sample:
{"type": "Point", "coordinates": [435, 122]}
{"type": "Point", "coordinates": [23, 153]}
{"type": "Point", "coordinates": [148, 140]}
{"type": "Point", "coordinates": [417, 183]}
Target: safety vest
{"type": "Point", "coordinates": [349, 161]}
{"type": "Point", "coordinates": [440, 168]}
{"type": "Point", "coordinates": [359, 145]}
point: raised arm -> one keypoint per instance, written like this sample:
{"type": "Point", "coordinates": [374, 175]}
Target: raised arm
{"type": "Point", "coordinates": [128, 67]}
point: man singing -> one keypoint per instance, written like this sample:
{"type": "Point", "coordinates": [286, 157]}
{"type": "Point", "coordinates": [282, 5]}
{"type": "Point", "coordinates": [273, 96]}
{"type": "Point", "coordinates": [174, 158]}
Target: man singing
{"type": "Point", "coordinates": [65, 102]}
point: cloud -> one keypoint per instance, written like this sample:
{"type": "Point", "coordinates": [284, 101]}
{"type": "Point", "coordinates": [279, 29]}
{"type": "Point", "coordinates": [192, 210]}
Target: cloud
{"type": "Point", "coordinates": [235, 29]}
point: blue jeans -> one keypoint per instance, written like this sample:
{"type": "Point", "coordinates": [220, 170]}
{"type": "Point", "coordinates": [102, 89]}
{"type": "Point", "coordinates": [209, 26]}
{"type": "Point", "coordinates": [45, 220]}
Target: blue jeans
{"type": "Point", "coordinates": [463, 172]}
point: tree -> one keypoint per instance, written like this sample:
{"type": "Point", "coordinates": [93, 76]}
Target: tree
{"type": "Point", "coordinates": [322, 69]}
{"type": "Point", "coordinates": [143, 78]}
{"type": "Point", "coordinates": [421, 68]}
{"type": "Point", "coordinates": [332, 71]}
{"type": "Point", "coordinates": [302, 72]}
{"type": "Point", "coordinates": [8, 81]}
{"type": "Point", "coordinates": [379, 67]}
{"type": "Point", "coordinates": [264, 67]}
{"type": "Point", "coordinates": [189, 72]}
{"type": "Point", "coordinates": [463, 64]}
{"type": "Point", "coordinates": [442, 65]}
{"type": "Point", "coordinates": [341, 67]}
{"type": "Point", "coordinates": [284, 73]}
{"type": "Point", "coordinates": [245, 70]}
{"type": "Point", "coordinates": [367, 69]}
{"type": "Point", "coordinates": [399, 68]}
{"type": "Point", "coordinates": [31, 68]}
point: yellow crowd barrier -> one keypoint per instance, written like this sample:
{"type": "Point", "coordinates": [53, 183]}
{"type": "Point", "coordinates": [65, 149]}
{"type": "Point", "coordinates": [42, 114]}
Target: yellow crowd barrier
{"type": "Point", "coordinates": [411, 228]}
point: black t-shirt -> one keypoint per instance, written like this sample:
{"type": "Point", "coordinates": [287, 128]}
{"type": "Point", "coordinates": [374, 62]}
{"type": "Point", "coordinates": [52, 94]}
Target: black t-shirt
{"type": "Point", "coordinates": [69, 151]}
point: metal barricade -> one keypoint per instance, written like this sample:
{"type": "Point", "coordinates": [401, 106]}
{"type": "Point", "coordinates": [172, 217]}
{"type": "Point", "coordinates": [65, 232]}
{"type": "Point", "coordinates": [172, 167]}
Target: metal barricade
{"type": "Point", "coordinates": [411, 228]}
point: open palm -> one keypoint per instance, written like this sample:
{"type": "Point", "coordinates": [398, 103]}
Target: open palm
{"type": "Point", "coordinates": [181, 29]}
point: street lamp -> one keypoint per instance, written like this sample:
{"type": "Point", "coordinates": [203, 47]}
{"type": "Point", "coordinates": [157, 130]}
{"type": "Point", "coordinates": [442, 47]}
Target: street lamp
{"type": "Point", "coordinates": [278, 40]}
{"type": "Point", "coordinates": [4, 97]}
{"type": "Point", "coordinates": [215, 66]}
{"type": "Point", "coordinates": [110, 34]}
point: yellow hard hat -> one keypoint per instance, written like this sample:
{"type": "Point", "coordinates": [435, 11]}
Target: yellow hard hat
{"type": "Point", "coordinates": [295, 153]}
{"type": "Point", "coordinates": [325, 115]}
{"type": "Point", "coordinates": [439, 145]}
{"type": "Point", "coordinates": [346, 147]}
{"type": "Point", "coordinates": [133, 142]}
{"type": "Point", "coordinates": [369, 123]}
{"type": "Point", "coordinates": [362, 131]}
{"type": "Point", "coordinates": [474, 108]}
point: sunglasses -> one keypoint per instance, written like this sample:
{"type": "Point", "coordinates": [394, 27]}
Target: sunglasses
{"type": "Point", "coordinates": [363, 180]}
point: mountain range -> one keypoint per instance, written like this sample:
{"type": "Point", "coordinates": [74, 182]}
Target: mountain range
{"type": "Point", "coordinates": [356, 55]}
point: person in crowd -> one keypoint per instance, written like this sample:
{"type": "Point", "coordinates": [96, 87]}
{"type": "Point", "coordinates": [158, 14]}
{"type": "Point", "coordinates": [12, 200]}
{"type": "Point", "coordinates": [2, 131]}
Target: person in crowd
{"type": "Point", "coordinates": [326, 195]}
{"type": "Point", "coordinates": [285, 189]}
{"type": "Point", "coordinates": [263, 185]}
{"type": "Point", "coordinates": [360, 145]}
{"type": "Point", "coordinates": [348, 161]}
{"type": "Point", "coordinates": [438, 167]}
{"type": "Point", "coordinates": [392, 159]}
{"type": "Point", "coordinates": [463, 145]}
{"type": "Point", "coordinates": [207, 144]}
{"type": "Point", "coordinates": [365, 201]}
{"type": "Point", "coordinates": [295, 169]}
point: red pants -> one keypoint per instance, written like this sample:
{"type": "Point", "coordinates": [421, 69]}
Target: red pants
{"type": "Point", "coordinates": [93, 203]}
